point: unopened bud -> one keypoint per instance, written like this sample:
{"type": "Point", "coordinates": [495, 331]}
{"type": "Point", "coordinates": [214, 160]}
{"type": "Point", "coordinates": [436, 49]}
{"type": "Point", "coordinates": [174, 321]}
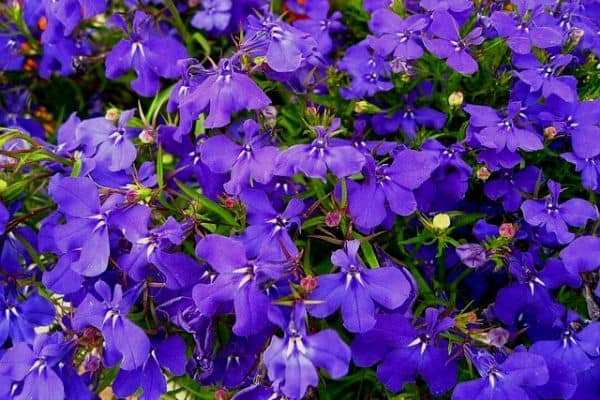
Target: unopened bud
{"type": "Point", "coordinates": [483, 173]}
{"type": "Point", "coordinates": [167, 159]}
{"type": "Point", "coordinates": [333, 218]}
{"type": "Point", "coordinates": [456, 99]}
{"type": "Point", "coordinates": [131, 196]}
{"type": "Point", "coordinates": [147, 136]}
{"type": "Point", "coordinates": [311, 110]}
{"type": "Point", "coordinates": [221, 394]}
{"type": "Point", "coordinates": [575, 35]}
{"type": "Point", "coordinates": [270, 115]}
{"type": "Point", "coordinates": [3, 185]}
{"type": "Point", "coordinates": [308, 283]}
{"type": "Point", "coordinates": [507, 230]}
{"type": "Point", "coordinates": [550, 132]}
{"type": "Point", "coordinates": [366, 107]}
{"type": "Point", "coordinates": [498, 337]}
{"type": "Point", "coordinates": [229, 202]}
{"type": "Point", "coordinates": [441, 221]}
{"type": "Point", "coordinates": [112, 114]}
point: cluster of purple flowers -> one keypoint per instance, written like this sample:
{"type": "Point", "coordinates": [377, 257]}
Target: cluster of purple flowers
{"type": "Point", "coordinates": [353, 201]}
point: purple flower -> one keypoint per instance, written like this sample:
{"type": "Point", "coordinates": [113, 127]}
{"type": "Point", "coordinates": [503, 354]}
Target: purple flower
{"type": "Point", "coordinates": [579, 349]}
{"type": "Point", "coordinates": [108, 144]}
{"type": "Point", "coordinates": [319, 25]}
{"type": "Point", "coordinates": [406, 351]}
{"type": "Point", "coordinates": [268, 227]}
{"type": "Point", "coordinates": [555, 217]}
{"type": "Point", "coordinates": [239, 279]}
{"type": "Point", "coordinates": [510, 185]}
{"type": "Point", "coordinates": [153, 247]}
{"type": "Point", "coordinates": [313, 160]}
{"type": "Point", "coordinates": [63, 16]}
{"type": "Point", "coordinates": [369, 72]}
{"type": "Point", "coordinates": [396, 35]}
{"type": "Point", "coordinates": [581, 255]}
{"type": "Point", "coordinates": [588, 167]}
{"type": "Point", "coordinates": [43, 370]}
{"type": "Point", "coordinates": [389, 186]}
{"type": "Point", "coordinates": [252, 161]}
{"type": "Point", "coordinates": [543, 77]}
{"type": "Point", "coordinates": [223, 92]}
{"type": "Point", "coordinates": [357, 289]}
{"type": "Point", "coordinates": [450, 46]}
{"type": "Point", "coordinates": [523, 31]}
{"type": "Point", "coordinates": [168, 354]}
{"type": "Point", "coordinates": [149, 53]}
{"type": "Point", "coordinates": [502, 376]}
{"type": "Point", "coordinates": [215, 15]}
{"type": "Point", "coordinates": [106, 310]}
{"type": "Point", "coordinates": [579, 120]}
{"type": "Point", "coordinates": [284, 47]}
{"type": "Point", "coordinates": [19, 318]}
{"type": "Point", "coordinates": [506, 129]}
{"type": "Point", "coordinates": [293, 360]}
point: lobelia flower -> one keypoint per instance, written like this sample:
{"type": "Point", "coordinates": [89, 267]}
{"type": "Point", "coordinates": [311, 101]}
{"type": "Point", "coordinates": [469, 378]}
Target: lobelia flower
{"type": "Point", "coordinates": [450, 46]}
{"type": "Point", "coordinates": [18, 319]}
{"type": "Point", "coordinates": [411, 117]}
{"type": "Point", "coordinates": [166, 354]}
{"type": "Point", "coordinates": [503, 130]}
{"type": "Point", "coordinates": [579, 349]}
{"type": "Point", "coordinates": [240, 279]}
{"type": "Point", "coordinates": [43, 370]}
{"type": "Point", "coordinates": [502, 376]}
{"type": "Point", "coordinates": [588, 167]}
{"type": "Point", "coordinates": [223, 92]}
{"type": "Point", "coordinates": [293, 360]}
{"type": "Point", "coordinates": [510, 186]}
{"type": "Point", "coordinates": [107, 144]}
{"type": "Point", "coordinates": [581, 255]}
{"type": "Point", "coordinates": [150, 54]}
{"type": "Point", "coordinates": [106, 310]}
{"type": "Point", "coordinates": [63, 16]}
{"type": "Point", "coordinates": [61, 55]}
{"type": "Point", "coordinates": [405, 351]}
{"type": "Point", "coordinates": [284, 48]}
{"type": "Point", "coordinates": [313, 160]}
{"type": "Point", "coordinates": [555, 217]}
{"type": "Point", "coordinates": [389, 186]}
{"type": "Point", "coordinates": [357, 289]}
{"type": "Point", "coordinates": [249, 162]}
{"type": "Point", "coordinates": [319, 25]}
{"type": "Point", "coordinates": [266, 226]}
{"type": "Point", "coordinates": [524, 30]}
{"type": "Point", "coordinates": [449, 181]}
{"type": "Point", "coordinates": [473, 255]}
{"type": "Point", "coordinates": [368, 71]}
{"type": "Point", "coordinates": [395, 35]}
{"type": "Point", "coordinates": [178, 270]}
{"type": "Point", "coordinates": [527, 300]}
{"type": "Point", "coordinates": [543, 76]}
{"type": "Point", "coordinates": [214, 15]}
{"type": "Point", "coordinates": [579, 120]}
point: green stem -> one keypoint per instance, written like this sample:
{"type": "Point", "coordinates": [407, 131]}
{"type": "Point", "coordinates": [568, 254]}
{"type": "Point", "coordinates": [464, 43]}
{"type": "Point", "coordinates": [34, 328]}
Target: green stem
{"type": "Point", "coordinates": [178, 22]}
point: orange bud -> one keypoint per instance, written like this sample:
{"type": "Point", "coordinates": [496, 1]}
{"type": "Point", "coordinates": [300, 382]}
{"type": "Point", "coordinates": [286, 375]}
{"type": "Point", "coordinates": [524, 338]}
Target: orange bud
{"type": "Point", "coordinates": [42, 23]}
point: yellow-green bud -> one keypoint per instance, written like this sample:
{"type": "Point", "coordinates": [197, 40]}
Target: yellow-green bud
{"type": "Point", "coordinates": [441, 221]}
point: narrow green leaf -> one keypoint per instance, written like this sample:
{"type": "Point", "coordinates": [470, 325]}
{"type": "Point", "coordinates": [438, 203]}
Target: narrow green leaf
{"type": "Point", "coordinates": [208, 204]}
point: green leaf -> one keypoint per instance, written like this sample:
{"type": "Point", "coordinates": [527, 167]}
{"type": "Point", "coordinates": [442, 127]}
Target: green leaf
{"type": "Point", "coordinates": [208, 204]}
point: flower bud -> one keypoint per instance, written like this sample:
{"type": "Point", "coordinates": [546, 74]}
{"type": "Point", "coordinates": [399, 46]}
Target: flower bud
{"type": "Point", "coordinates": [456, 99]}
{"type": "Point", "coordinates": [270, 115]}
{"type": "Point", "coordinates": [497, 337]}
{"type": "Point", "coordinates": [91, 363]}
{"type": "Point", "coordinates": [364, 106]}
{"type": "Point", "coordinates": [221, 394]}
{"type": "Point", "coordinates": [112, 114]}
{"type": "Point", "coordinates": [333, 218]}
{"type": "Point", "coordinates": [550, 132]}
{"type": "Point", "coordinates": [575, 36]}
{"type": "Point", "coordinates": [308, 283]}
{"type": "Point", "coordinates": [3, 185]}
{"type": "Point", "coordinates": [507, 230]}
{"type": "Point", "coordinates": [483, 173]}
{"type": "Point", "coordinates": [472, 255]}
{"type": "Point", "coordinates": [441, 221]}
{"type": "Point", "coordinates": [147, 136]}
{"type": "Point", "coordinates": [229, 202]}
{"type": "Point", "coordinates": [312, 111]}
{"type": "Point", "coordinates": [167, 159]}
